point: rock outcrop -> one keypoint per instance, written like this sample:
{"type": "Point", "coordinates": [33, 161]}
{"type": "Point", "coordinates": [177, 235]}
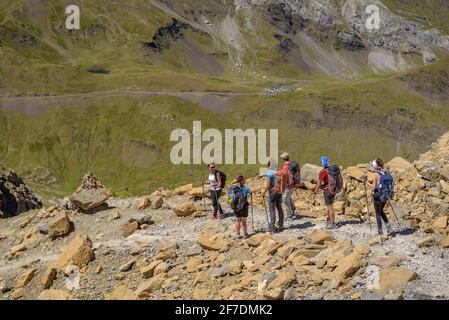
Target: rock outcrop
{"type": "Point", "coordinates": [15, 196]}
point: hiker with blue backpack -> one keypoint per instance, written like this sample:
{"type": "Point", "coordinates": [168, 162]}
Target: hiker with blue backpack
{"type": "Point", "coordinates": [382, 184]}
{"type": "Point", "coordinates": [331, 181]}
{"type": "Point", "coordinates": [238, 198]}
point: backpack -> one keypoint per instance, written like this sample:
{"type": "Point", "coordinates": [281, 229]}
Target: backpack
{"type": "Point", "coordinates": [335, 182]}
{"type": "Point", "coordinates": [384, 191]}
{"type": "Point", "coordinates": [295, 173]}
{"type": "Point", "coordinates": [280, 181]}
{"type": "Point", "coordinates": [223, 178]}
{"type": "Point", "coordinates": [236, 198]}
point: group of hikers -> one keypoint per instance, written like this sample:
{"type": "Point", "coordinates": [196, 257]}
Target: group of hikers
{"type": "Point", "coordinates": [279, 185]}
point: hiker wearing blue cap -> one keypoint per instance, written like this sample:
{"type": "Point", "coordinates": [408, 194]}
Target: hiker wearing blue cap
{"type": "Point", "coordinates": [331, 181]}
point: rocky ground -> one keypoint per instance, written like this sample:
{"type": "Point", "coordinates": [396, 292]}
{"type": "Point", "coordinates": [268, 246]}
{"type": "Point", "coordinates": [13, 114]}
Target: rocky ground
{"type": "Point", "coordinates": [165, 246]}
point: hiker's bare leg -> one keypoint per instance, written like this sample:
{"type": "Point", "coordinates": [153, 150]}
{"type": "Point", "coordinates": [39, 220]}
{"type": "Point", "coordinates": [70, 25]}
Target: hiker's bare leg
{"type": "Point", "coordinates": [237, 225]}
{"type": "Point", "coordinates": [245, 226]}
{"type": "Point", "coordinates": [331, 213]}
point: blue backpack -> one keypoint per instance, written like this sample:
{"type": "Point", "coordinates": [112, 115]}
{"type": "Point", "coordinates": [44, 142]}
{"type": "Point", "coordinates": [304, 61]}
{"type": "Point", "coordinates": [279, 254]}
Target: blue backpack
{"type": "Point", "coordinates": [236, 198]}
{"type": "Point", "coordinates": [385, 190]}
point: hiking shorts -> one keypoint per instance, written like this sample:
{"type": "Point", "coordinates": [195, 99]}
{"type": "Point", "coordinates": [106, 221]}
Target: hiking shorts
{"type": "Point", "coordinates": [242, 213]}
{"type": "Point", "coordinates": [329, 198]}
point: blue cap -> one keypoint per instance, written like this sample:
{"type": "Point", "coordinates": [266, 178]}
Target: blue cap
{"type": "Point", "coordinates": [325, 161]}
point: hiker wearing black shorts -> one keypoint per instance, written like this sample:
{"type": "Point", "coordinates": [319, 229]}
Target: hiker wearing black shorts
{"type": "Point", "coordinates": [324, 182]}
{"type": "Point", "coordinates": [379, 205]}
{"type": "Point", "coordinates": [242, 214]}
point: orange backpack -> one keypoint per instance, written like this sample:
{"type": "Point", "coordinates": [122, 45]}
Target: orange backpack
{"type": "Point", "coordinates": [280, 181]}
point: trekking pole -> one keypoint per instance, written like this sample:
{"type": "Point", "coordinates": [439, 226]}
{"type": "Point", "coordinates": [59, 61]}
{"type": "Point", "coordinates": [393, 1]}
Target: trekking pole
{"type": "Point", "coordinates": [252, 212]}
{"type": "Point", "coordinates": [389, 203]}
{"type": "Point", "coordinates": [367, 205]}
{"type": "Point", "coordinates": [266, 213]}
{"type": "Point", "coordinates": [204, 196]}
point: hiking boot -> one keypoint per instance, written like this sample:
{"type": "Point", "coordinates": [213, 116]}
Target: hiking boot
{"type": "Point", "coordinates": [238, 235]}
{"type": "Point", "coordinates": [380, 232]}
{"type": "Point", "coordinates": [389, 229]}
{"type": "Point", "coordinates": [331, 226]}
{"type": "Point", "coordinates": [271, 229]}
{"type": "Point", "coordinates": [279, 229]}
{"type": "Point", "coordinates": [245, 236]}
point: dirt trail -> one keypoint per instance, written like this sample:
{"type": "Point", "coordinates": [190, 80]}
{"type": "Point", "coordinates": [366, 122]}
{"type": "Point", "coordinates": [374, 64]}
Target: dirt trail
{"type": "Point", "coordinates": [213, 100]}
{"type": "Point", "coordinates": [113, 250]}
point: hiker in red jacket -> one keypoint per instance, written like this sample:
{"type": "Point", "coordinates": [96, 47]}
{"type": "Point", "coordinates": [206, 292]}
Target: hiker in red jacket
{"type": "Point", "coordinates": [331, 185]}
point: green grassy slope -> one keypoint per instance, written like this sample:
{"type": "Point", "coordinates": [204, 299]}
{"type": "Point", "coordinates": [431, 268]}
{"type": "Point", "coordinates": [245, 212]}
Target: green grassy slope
{"type": "Point", "coordinates": [126, 141]}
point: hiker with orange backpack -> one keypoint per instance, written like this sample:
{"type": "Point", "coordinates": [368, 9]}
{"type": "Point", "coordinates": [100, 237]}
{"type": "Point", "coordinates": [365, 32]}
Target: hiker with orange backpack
{"type": "Point", "coordinates": [275, 185]}
{"type": "Point", "coordinates": [291, 169]}
{"type": "Point", "coordinates": [331, 181]}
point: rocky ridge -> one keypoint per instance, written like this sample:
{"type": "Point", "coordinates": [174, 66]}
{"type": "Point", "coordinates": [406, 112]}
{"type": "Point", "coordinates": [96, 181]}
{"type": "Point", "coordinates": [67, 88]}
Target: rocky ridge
{"type": "Point", "coordinates": [164, 246]}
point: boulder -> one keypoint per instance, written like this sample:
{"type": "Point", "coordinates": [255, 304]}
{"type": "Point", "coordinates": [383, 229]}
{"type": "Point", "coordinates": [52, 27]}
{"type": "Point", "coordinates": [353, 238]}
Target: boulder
{"type": "Point", "coordinates": [441, 223]}
{"type": "Point", "coordinates": [130, 227]}
{"type": "Point", "coordinates": [235, 267]}
{"type": "Point", "coordinates": [147, 271]}
{"type": "Point", "coordinates": [350, 264]}
{"type": "Point", "coordinates": [91, 194]}
{"type": "Point", "coordinates": [436, 171]}
{"type": "Point", "coordinates": [198, 192]}
{"type": "Point", "coordinates": [282, 281]}
{"type": "Point", "coordinates": [121, 292]}
{"type": "Point", "coordinates": [400, 165]}
{"type": "Point", "coordinates": [15, 196]}
{"type": "Point", "coordinates": [212, 242]}
{"type": "Point", "coordinates": [355, 173]}
{"type": "Point", "coordinates": [162, 268]}
{"type": "Point", "coordinates": [183, 189]}
{"type": "Point", "coordinates": [148, 287]}
{"type": "Point", "coordinates": [48, 277]}
{"type": "Point", "coordinates": [16, 294]}
{"type": "Point", "coordinates": [143, 203]}
{"type": "Point", "coordinates": [157, 203]}
{"type": "Point", "coordinates": [319, 237]}
{"type": "Point", "coordinates": [25, 278]}
{"type": "Point", "coordinates": [127, 265]}
{"type": "Point", "coordinates": [115, 215]}
{"type": "Point", "coordinates": [391, 278]}
{"type": "Point", "coordinates": [54, 294]}
{"type": "Point", "coordinates": [185, 209]}
{"type": "Point", "coordinates": [59, 226]}
{"type": "Point", "coordinates": [256, 239]}
{"type": "Point", "coordinates": [426, 242]}
{"type": "Point", "coordinates": [267, 247]}
{"type": "Point", "coordinates": [193, 263]}
{"type": "Point", "coordinates": [309, 172]}
{"type": "Point", "coordinates": [78, 252]}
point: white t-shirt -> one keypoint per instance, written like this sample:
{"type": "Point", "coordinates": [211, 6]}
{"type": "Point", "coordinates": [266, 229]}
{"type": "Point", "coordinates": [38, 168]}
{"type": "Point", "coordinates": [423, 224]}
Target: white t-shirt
{"type": "Point", "coordinates": [213, 182]}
